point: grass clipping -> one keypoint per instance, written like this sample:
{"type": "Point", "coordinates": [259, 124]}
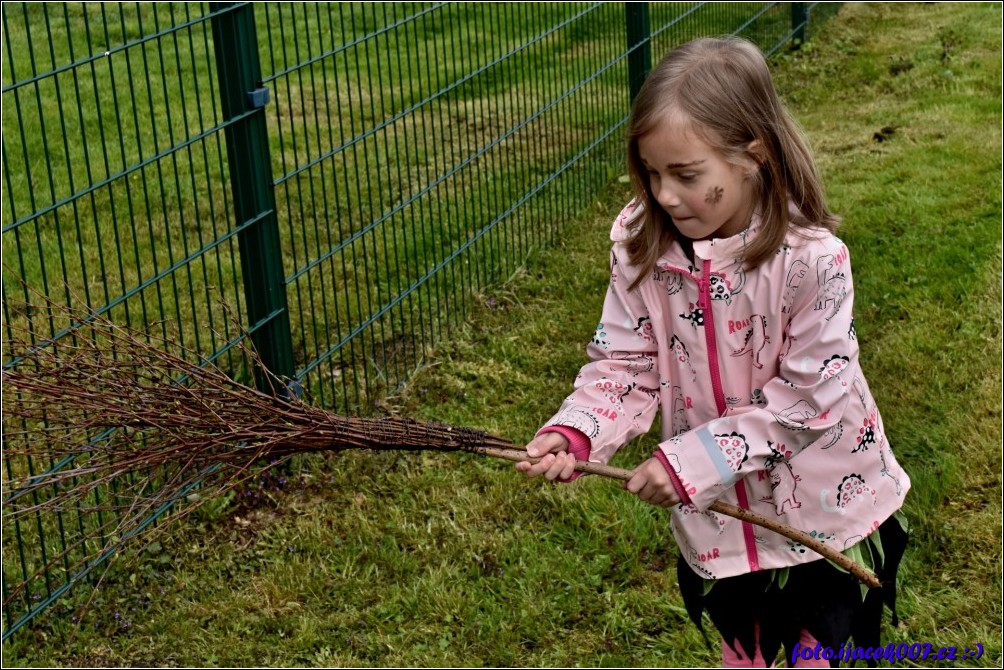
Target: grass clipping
{"type": "Point", "coordinates": [127, 423]}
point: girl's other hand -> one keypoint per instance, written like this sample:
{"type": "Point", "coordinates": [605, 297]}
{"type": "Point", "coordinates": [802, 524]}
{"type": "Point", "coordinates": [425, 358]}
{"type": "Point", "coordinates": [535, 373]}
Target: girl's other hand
{"type": "Point", "coordinates": [556, 463]}
{"type": "Point", "coordinates": [652, 484]}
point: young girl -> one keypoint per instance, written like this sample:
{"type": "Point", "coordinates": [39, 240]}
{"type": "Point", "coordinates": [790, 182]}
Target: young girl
{"type": "Point", "coordinates": [730, 306]}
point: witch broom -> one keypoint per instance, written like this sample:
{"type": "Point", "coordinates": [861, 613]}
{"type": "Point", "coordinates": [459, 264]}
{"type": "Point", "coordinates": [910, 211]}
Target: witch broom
{"type": "Point", "coordinates": [115, 405]}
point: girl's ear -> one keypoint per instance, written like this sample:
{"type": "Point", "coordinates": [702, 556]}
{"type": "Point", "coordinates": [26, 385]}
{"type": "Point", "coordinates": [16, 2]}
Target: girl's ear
{"type": "Point", "coordinates": [754, 157]}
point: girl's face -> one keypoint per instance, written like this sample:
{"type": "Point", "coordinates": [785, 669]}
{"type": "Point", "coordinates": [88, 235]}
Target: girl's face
{"type": "Point", "coordinates": [706, 195]}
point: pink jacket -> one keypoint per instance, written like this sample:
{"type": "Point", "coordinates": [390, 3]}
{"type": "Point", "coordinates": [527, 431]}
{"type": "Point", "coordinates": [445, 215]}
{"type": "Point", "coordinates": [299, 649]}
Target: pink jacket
{"type": "Point", "coordinates": [764, 403]}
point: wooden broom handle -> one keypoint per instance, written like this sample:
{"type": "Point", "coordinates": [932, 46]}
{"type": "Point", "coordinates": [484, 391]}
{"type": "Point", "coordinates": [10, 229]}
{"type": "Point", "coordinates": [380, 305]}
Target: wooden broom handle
{"type": "Point", "coordinates": [864, 574]}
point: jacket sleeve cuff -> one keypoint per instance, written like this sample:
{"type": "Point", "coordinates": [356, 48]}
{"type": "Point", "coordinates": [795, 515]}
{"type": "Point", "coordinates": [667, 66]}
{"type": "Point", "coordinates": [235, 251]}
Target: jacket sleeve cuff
{"type": "Point", "coordinates": [677, 484]}
{"type": "Point", "coordinates": [579, 445]}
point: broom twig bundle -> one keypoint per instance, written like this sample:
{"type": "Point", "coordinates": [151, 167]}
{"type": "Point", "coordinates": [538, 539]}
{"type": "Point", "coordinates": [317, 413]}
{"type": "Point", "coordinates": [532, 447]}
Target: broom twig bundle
{"type": "Point", "coordinates": [109, 404]}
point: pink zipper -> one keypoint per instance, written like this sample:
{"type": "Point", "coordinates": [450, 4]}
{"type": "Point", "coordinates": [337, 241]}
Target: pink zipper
{"type": "Point", "coordinates": [704, 302]}
{"type": "Point", "coordinates": [748, 533]}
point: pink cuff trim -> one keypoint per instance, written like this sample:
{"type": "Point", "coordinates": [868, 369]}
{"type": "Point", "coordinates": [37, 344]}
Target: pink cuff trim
{"type": "Point", "coordinates": [579, 444]}
{"type": "Point", "coordinates": [677, 484]}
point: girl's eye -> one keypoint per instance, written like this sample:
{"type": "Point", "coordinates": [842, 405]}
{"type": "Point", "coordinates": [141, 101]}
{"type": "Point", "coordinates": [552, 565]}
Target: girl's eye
{"type": "Point", "coordinates": [687, 176]}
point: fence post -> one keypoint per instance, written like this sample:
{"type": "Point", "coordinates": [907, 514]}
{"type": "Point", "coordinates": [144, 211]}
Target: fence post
{"type": "Point", "coordinates": [799, 20]}
{"type": "Point", "coordinates": [243, 100]}
{"type": "Point", "coordinates": [638, 44]}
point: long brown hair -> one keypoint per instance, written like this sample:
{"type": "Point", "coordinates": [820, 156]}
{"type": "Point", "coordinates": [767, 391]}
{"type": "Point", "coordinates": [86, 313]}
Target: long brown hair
{"type": "Point", "coordinates": [724, 89]}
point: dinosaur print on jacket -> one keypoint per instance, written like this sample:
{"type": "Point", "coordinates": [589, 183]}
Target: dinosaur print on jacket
{"type": "Point", "coordinates": [885, 472]}
{"type": "Point", "coordinates": [851, 488]}
{"type": "Point", "coordinates": [714, 521]}
{"type": "Point", "coordinates": [679, 349]}
{"type": "Point", "coordinates": [783, 481]}
{"type": "Point", "coordinates": [679, 420]}
{"type": "Point", "coordinates": [581, 420]}
{"type": "Point", "coordinates": [614, 391]}
{"type": "Point", "coordinates": [832, 286]}
{"type": "Point", "coordinates": [674, 284]}
{"type": "Point", "coordinates": [794, 417]}
{"type": "Point", "coordinates": [636, 364]}
{"type": "Point", "coordinates": [600, 338]}
{"type": "Point", "coordinates": [756, 340]}
{"type": "Point", "coordinates": [644, 329]}
{"type": "Point", "coordinates": [832, 366]}
{"type": "Point", "coordinates": [734, 448]}
{"type": "Point", "coordinates": [724, 289]}
{"type": "Point", "coordinates": [833, 435]}
{"type": "Point", "coordinates": [866, 434]}
{"type": "Point", "coordinates": [695, 316]}
{"type": "Point", "coordinates": [795, 276]}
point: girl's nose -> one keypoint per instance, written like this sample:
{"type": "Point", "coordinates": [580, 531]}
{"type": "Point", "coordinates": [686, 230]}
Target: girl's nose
{"type": "Point", "coordinates": [665, 196]}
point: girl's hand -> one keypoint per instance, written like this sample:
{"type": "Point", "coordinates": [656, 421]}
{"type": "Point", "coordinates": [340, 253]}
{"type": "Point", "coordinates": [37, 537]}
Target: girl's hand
{"type": "Point", "coordinates": [556, 463]}
{"type": "Point", "coordinates": [652, 484]}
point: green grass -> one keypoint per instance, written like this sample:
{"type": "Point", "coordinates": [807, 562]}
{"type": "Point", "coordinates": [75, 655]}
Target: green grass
{"type": "Point", "coordinates": [93, 121]}
{"type": "Point", "coordinates": [466, 155]}
{"type": "Point", "coordinates": [426, 560]}
{"type": "Point", "coordinates": [102, 117]}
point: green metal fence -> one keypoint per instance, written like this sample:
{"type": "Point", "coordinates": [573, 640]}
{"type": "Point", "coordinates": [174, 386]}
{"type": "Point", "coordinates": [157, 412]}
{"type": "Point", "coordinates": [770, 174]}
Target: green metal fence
{"type": "Point", "coordinates": [343, 178]}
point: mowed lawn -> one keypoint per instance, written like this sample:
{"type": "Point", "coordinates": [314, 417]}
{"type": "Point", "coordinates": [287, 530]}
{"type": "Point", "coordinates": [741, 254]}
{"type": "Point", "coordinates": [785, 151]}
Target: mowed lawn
{"type": "Point", "coordinates": [427, 560]}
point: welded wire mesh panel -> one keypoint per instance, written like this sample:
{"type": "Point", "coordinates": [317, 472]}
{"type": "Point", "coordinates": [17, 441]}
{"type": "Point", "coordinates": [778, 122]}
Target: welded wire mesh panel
{"type": "Point", "coordinates": [421, 151]}
{"type": "Point", "coordinates": [115, 200]}
{"type": "Point", "coordinates": [772, 26]}
{"type": "Point", "coordinates": [767, 24]}
{"type": "Point", "coordinates": [406, 157]}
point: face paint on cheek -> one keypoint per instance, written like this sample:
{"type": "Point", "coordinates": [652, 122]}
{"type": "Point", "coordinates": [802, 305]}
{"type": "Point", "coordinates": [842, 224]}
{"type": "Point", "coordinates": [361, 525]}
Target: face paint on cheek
{"type": "Point", "coordinates": [714, 195]}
